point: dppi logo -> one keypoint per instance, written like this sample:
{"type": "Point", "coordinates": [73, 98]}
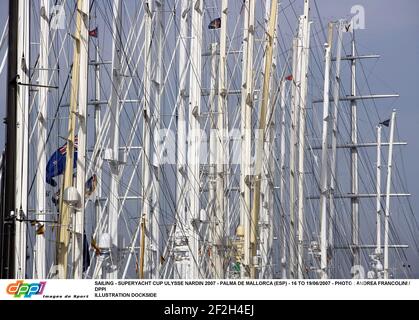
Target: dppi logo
{"type": "Point", "coordinates": [27, 290]}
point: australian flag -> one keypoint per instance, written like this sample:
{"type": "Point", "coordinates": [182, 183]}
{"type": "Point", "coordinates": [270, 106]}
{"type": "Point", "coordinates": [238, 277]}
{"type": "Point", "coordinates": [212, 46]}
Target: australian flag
{"type": "Point", "coordinates": [56, 163]}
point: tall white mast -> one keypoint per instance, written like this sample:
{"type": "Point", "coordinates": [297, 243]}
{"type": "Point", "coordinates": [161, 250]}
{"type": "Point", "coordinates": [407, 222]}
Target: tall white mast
{"type": "Point", "coordinates": [378, 251]}
{"type": "Point", "coordinates": [324, 164]}
{"type": "Point", "coordinates": [181, 237]}
{"type": "Point", "coordinates": [67, 205]}
{"type": "Point", "coordinates": [305, 50]}
{"type": "Point", "coordinates": [221, 144]}
{"type": "Point", "coordinates": [270, 37]}
{"type": "Point", "coordinates": [267, 221]}
{"type": "Point", "coordinates": [213, 161]}
{"type": "Point", "coordinates": [113, 156]}
{"type": "Point", "coordinates": [78, 222]}
{"type": "Point", "coordinates": [195, 135]}
{"type": "Point", "coordinates": [388, 188]}
{"type": "Point", "coordinates": [246, 128]}
{"type": "Point", "coordinates": [22, 139]}
{"type": "Point", "coordinates": [282, 213]}
{"type": "Point", "coordinates": [157, 93]}
{"type": "Point", "coordinates": [146, 156]}
{"type": "Point", "coordinates": [293, 151]}
{"type": "Point", "coordinates": [97, 130]}
{"type": "Point", "coordinates": [39, 271]}
{"type": "Point", "coordinates": [354, 162]}
{"type": "Point", "coordinates": [334, 120]}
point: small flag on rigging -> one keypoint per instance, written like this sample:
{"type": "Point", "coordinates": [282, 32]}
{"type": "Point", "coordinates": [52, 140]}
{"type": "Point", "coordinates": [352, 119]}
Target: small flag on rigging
{"type": "Point", "coordinates": [385, 123]}
{"type": "Point", "coordinates": [94, 33]}
{"type": "Point", "coordinates": [56, 163]}
{"type": "Point", "coordinates": [215, 24]}
{"type": "Point", "coordinates": [289, 78]}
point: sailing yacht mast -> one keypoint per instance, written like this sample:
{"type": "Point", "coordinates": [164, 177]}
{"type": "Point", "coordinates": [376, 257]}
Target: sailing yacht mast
{"type": "Point", "coordinates": [267, 221]}
{"type": "Point", "coordinates": [303, 60]}
{"type": "Point", "coordinates": [354, 162]}
{"type": "Point", "coordinates": [293, 151]}
{"type": "Point", "coordinates": [66, 207]}
{"type": "Point", "coordinates": [194, 136]}
{"type": "Point", "coordinates": [9, 161]}
{"type": "Point", "coordinates": [261, 137]}
{"type": "Point", "coordinates": [157, 101]}
{"type": "Point", "coordinates": [146, 156]}
{"type": "Point", "coordinates": [215, 267]}
{"type": "Point", "coordinates": [334, 132]}
{"type": "Point", "coordinates": [388, 188]}
{"type": "Point", "coordinates": [79, 213]}
{"type": "Point", "coordinates": [246, 129]}
{"type": "Point", "coordinates": [222, 145]}
{"type": "Point", "coordinates": [114, 160]}
{"type": "Point", "coordinates": [282, 221]}
{"type": "Point", "coordinates": [378, 251]}
{"type": "Point", "coordinates": [97, 132]}
{"type": "Point", "coordinates": [22, 139]}
{"type": "Point", "coordinates": [14, 223]}
{"type": "Point", "coordinates": [39, 271]}
{"type": "Point", "coordinates": [324, 162]}
{"type": "Point", "coordinates": [181, 156]}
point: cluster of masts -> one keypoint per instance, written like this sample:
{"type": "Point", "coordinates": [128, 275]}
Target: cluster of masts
{"type": "Point", "coordinates": [205, 237]}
